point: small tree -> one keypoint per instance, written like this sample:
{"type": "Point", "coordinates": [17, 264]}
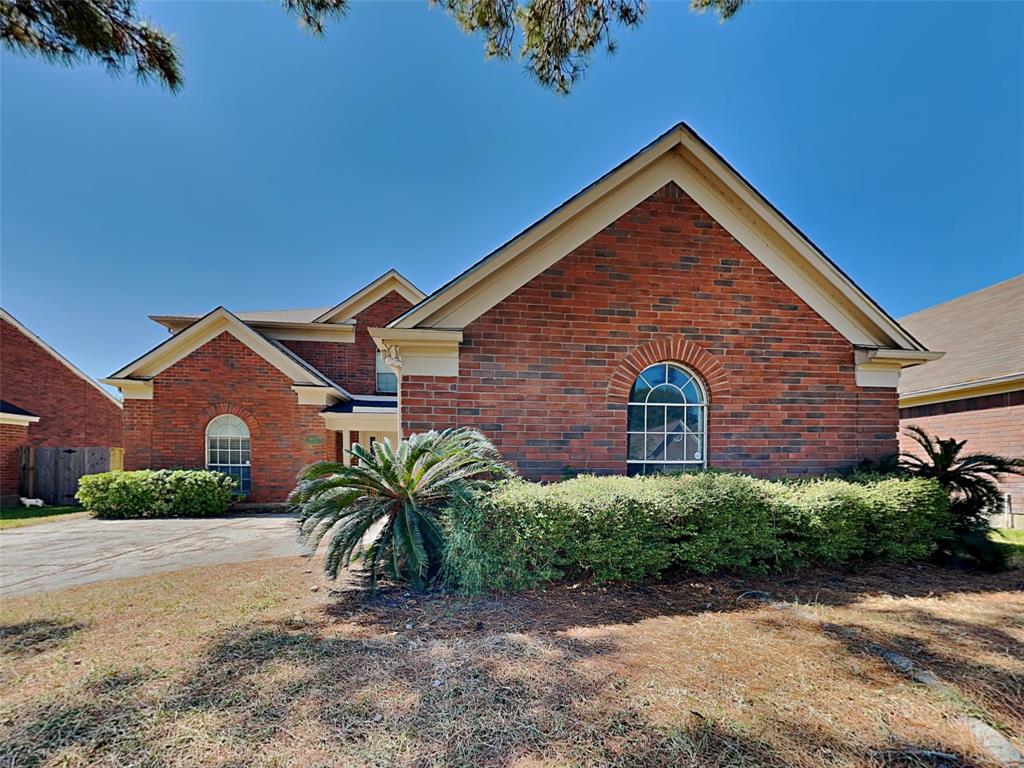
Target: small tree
{"type": "Point", "coordinates": [385, 509]}
{"type": "Point", "coordinates": [972, 483]}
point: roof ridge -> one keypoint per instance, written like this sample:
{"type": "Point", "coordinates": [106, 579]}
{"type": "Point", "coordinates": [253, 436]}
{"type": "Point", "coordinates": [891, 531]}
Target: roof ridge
{"type": "Point", "coordinates": [961, 297]}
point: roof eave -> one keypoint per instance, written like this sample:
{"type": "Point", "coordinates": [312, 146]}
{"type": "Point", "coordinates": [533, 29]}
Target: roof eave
{"type": "Point", "coordinates": [680, 136]}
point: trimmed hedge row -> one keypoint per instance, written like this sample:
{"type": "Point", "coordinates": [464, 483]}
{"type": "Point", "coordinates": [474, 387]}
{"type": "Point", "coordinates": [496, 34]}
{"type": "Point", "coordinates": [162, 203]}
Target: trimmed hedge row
{"type": "Point", "coordinates": [629, 529]}
{"type": "Point", "coordinates": [156, 493]}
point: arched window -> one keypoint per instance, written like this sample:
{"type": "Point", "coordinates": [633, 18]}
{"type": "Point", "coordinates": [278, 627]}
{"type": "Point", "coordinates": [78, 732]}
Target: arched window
{"type": "Point", "coordinates": [227, 450]}
{"type": "Point", "coordinates": [667, 421]}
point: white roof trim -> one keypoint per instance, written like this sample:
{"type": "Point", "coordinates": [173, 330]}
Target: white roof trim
{"type": "Point", "coordinates": [391, 280]}
{"type": "Point", "coordinates": [18, 419]}
{"type": "Point", "coordinates": [208, 328]}
{"type": "Point", "coordinates": [59, 357]}
{"type": "Point", "coordinates": [1009, 378]}
{"type": "Point", "coordinates": [682, 157]}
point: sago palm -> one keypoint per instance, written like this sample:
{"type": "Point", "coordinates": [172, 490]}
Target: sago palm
{"type": "Point", "coordinates": [384, 509]}
{"type": "Point", "coordinates": [971, 479]}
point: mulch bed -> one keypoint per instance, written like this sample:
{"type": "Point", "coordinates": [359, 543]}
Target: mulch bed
{"type": "Point", "coordinates": [562, 606]}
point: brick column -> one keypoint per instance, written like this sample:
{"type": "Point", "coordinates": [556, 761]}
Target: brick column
{"type": "Point", "coordinates": [138, 434]}
{"type": "Point", "coordinates": [12, 438]}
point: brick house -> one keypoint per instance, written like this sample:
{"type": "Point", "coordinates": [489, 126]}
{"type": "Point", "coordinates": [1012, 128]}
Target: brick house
{"type": "Point", "coordinates": [666, 317]}
{"type": "Point", "coordinates": [976, 391]}
{"type": "Point", "coordinates": [47, 401]}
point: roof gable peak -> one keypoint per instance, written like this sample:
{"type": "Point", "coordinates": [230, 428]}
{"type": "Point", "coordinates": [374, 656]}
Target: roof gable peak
{"type": "Point", "coordinates": [679, 155]}
{"type": "Point", "coordinates": [392, 280]}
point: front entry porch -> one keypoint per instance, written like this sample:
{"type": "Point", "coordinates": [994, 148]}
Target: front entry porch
{"type": "Point", "coordinates": [362, 421]}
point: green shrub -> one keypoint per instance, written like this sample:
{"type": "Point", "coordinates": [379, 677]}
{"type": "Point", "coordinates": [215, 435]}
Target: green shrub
{"type": "Point", "coordinates": [905, 518]}
{"type": "Point", "coordinates": [819, 521]}
{"type": "Point", "coordinates": [156, 493]}
{"type": "Point", "coordinates": [521, 534]}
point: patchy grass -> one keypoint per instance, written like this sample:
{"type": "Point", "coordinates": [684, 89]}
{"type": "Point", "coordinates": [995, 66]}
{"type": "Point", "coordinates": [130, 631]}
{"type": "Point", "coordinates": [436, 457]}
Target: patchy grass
{"type": "Point", "coordinates": [1013, 540]}
{"type": "Point", "coordinates": [18, 517]}
{"type": "Point", "coordinates": [246, 664]}
{"type": "Point", "coordinates": [1011, 536]}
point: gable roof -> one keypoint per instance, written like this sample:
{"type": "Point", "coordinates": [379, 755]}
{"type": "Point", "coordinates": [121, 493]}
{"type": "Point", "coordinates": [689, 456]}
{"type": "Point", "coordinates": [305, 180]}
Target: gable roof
{"type": "Point", "coordinates": [679, 156]}
{"type": "Point", "coordinates": [982, 334]}
{"type": "Point", "coordinates": [391, 280]}
{"type": "Point", "coordinates": [210, 326]}
{"type": "Point", "coordinates": [7, 316]}
{"type": "Point", "coordinates": [304, 318]}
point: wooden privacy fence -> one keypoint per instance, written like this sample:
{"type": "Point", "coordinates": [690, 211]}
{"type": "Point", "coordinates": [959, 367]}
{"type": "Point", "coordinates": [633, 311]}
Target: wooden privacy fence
{"type": "Point", "coordinates": [52, 474]}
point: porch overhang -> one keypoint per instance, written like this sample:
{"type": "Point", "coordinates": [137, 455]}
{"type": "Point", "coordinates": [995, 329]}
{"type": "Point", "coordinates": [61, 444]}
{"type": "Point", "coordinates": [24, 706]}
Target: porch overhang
{"type": "Point", "coordinates": [375, 414]}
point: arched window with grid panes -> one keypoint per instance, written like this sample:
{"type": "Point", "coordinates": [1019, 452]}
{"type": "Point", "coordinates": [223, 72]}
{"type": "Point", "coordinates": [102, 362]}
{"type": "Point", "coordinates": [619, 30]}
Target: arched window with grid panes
{"type": "Point", "coordinates": [228, 450]}
{"type": "Point", "coordinates": [666, 421]}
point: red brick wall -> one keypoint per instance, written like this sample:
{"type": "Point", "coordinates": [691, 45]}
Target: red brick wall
{"type": "Point", "coordinates": [991, 424]}
{"type": "Point", "coordinates": [225, 376]}
{"type": "Point", "coordinates": [73, 414]}
{"type": "Point", "coordinates": [546, 372]}
{"type": "Point", "coordinates": [353, 365]}
{"type": "Point", "coordinates": [12, 437]}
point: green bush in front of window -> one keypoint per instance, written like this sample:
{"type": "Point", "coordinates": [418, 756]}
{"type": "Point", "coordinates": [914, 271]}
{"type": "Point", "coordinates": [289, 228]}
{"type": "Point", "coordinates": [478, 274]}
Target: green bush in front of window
{"type": "Point", "coordinates": [156, 493]}
{"type": "Point", "coordinates": [632, 529]}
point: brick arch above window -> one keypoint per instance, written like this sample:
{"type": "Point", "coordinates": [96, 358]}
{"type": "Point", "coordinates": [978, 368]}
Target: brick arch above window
{"type": "Point", "coordinates": [219, 409]}
{"type": "Point", "coordinates": [677, 350]}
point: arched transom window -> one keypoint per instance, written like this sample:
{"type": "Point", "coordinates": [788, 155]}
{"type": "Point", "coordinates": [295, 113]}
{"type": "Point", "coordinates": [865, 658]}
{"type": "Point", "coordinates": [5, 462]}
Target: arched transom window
{"type": "Point", "coordinates": [667, 421]}
{"type": "Point", "coordinates": [227, 450]}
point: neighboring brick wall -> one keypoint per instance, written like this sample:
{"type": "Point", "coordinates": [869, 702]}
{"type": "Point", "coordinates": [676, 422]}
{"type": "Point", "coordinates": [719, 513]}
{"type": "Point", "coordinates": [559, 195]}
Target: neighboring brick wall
{"type": "Point", "coordinates": [225, 376]}
{"type": "Point", "coordinates": [541, 373]}
{"type": "Point", "coordinates": [12, 438]}
{"type": "Point", "coordinates": [990, 424]}
{"type": "Point", "coordinates": [73, 414]}
{"type": "Point", "coordinates": [353, 365]}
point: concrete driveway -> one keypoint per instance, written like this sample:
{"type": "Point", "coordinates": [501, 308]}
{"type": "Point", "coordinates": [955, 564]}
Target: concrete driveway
{"type": "Point", "coordinates": [54, 555]}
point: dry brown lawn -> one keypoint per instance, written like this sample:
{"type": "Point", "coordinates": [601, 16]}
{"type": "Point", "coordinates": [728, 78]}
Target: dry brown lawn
{"type": "Point", "coordinates": [246, 665]}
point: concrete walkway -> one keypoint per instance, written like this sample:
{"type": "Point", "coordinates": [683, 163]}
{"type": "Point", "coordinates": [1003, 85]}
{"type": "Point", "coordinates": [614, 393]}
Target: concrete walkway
{"type": "Point", "coordinates": [63, 553]}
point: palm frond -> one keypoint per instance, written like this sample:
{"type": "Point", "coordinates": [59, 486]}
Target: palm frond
{"type": "Point", "coordinates": [383, 509]}
{"type": "Point", "coordinates": [972, 480]}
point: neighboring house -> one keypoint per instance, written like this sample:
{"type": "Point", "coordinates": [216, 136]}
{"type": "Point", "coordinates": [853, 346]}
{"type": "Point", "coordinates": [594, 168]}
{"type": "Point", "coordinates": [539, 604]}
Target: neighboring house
{"type": "Point", "coordinates": [976, 392]}
{"type": "Point", "coordinates": [47, 401]}
{"type": "Point", "coordinates": [666, 317]}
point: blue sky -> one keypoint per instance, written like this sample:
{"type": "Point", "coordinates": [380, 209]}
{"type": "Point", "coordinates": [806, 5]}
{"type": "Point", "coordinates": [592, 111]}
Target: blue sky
{"type": "Point", "coordinates": [292, 170]}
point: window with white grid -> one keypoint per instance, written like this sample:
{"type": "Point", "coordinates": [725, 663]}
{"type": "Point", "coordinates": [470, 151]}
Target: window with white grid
{"type": "Point", "coordinates": [666, 421]}
{"type": "Point", "coordinates": [387, 381]}
{"type": "Point", "coordinates": [228, 451]}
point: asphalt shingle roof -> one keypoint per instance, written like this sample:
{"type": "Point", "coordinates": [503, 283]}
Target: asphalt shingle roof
{"type": "Point", "coordinates": [981, 333]}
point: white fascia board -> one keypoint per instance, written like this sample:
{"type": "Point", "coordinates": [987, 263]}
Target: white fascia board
{"type": "Point", "coordinates": [205, 330]}
{"type": "Point", "coordinates": [18, 419]}
{"type": "Point", "coordinates": [391, 280]}
{"type": "Point", "coordinates": [681, 157]}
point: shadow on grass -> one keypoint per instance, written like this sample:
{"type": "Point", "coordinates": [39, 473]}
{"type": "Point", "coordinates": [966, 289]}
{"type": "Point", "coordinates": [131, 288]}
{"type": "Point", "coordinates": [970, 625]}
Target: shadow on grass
{"type": "Point", "coordinates": [104, 723]}
{"type": "Point", "coordinates": [995, 693]}
{"type": "Point", "coordinates": [384, 701]}
{"type": "Point", "coordinates": [280, 693]}
{"type": "Point", "coordinates": [34, 637]}
{"type": "Point", "coordinates": [411, 680]}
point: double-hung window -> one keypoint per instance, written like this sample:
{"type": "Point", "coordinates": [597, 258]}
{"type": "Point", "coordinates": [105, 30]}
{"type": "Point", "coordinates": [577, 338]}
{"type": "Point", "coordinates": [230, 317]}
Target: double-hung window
{"type": "Point", "coordinates": [387, 381]}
